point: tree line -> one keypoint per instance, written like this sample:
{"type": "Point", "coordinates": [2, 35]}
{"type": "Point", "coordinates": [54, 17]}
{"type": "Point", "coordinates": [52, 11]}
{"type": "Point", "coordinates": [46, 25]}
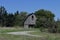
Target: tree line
{"type": "Point", "coordinates": [45, 19]}
{"type": "Point", "coordinates": [11, 19]}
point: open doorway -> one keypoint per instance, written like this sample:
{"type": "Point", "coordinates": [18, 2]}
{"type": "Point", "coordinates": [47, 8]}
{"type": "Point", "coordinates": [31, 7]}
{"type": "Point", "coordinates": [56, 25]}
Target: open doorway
{"type": "Point", "coordinates": [31, 26]}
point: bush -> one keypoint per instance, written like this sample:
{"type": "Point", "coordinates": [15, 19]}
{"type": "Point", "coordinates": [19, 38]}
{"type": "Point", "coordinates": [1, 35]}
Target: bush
{"type": "Point", "coordinates": [58, 29]}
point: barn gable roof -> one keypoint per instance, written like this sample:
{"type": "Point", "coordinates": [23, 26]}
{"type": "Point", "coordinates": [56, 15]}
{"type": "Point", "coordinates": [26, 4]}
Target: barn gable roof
{"type": "Point", "coordinates": [28, 16]}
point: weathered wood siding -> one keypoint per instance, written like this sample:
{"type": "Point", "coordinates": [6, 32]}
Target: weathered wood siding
{"type": "Point", "coordinates": [29, 20]}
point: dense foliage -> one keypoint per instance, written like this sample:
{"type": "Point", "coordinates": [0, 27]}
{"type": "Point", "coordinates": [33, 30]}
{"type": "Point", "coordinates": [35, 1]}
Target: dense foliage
{"type": "Point", "coordinates": [44, 17]}
{"type": "Point", "coordinates": [11, 19]}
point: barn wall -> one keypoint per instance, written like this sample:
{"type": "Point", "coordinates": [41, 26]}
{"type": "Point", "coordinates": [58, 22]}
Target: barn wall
{"type": "Point", "coordinates": [30, 21]}
{"type": "Point", "coordinates": [25, 26]}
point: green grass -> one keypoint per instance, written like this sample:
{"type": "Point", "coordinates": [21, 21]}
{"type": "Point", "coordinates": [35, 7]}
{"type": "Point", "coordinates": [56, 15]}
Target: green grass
{"type": "Point", "coordinates": [17, 37]}
{"type": "Point", "coordinates": [5, 30]}
{"type": "Point", "coordinates": [45, 36]}
{"type": "Point", "coordinates": [48, 36]}
{"type": "Point", "coordinates": [4, 36]}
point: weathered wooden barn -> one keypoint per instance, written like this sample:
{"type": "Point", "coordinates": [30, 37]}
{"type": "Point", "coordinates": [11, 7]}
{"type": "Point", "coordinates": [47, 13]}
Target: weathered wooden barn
{"type": "Point", "coordinates": [30, 21]}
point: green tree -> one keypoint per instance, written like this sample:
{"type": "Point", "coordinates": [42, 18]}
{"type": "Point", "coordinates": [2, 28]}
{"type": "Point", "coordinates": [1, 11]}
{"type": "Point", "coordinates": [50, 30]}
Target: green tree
{"type": "Point", "coordinates": [44, 18]}
{"type": "Point", "coordinates": [19, 18]}
{"type": "Point", "coordinates": [58, 25]}
{"type": "Point", "coordinates": [10, 20]}
{"type": "Point", "coordinates": [22, 17]}
{"type": "Point", "coordinates": [3, 15]}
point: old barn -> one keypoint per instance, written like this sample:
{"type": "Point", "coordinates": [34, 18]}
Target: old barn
{"type": "Point", "coordinates": [30, 21]}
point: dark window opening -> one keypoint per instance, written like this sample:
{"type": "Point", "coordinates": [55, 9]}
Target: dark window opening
{"type": "Point", "coordinates": [32, 17]}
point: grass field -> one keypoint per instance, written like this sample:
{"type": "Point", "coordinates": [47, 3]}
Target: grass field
{"type": "Point", "coordinates": [49, 36]}
{"type": "Point", "coordinates": [45, 36]}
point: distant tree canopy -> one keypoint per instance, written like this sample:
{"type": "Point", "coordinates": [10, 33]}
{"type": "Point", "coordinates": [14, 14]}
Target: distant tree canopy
{"type": "Point", "coordinates": [44, 18]}
{"type": "Point", "coordinates": [19, 18]}
{"type": "Point", "coordinates": [44, 13]}
{"type": "Point", "coordinates": [3, 16]}
{"type": "Point", "coordinates": [11, 19]}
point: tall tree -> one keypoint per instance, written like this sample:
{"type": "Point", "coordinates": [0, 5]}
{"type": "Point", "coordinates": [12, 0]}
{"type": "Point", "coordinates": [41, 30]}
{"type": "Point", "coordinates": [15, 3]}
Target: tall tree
{"type": "Point", "coordinates": [44, 17]}
{"type": "Point", "coordinates": [58, 25]}
{"type": "Point", "coordinates": [3, 15]}
{"type": "Point", "coordinates": [10, 20]}
{"type": "Point", "coordinates": [16, 22]}
{"type": "Point", "coordinates": [19, 18]}
{"type": "Point", "coordinates": [22, 17]}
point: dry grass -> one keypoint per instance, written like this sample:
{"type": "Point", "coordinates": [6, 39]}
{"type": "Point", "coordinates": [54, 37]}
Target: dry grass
{"type": "Point", "coordinates": [46, 36]}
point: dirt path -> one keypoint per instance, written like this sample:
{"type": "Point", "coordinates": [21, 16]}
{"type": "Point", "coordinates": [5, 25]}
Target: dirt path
{"type": "Point", "coordinates": [24, 33]}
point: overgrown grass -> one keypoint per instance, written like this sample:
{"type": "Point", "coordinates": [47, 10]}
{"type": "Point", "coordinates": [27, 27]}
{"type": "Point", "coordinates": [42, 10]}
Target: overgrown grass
{"type": "Point", "coordinates": [48, 36]}
{"type": "Point", "coordinates": [45, 35]}
{"type": "Point", "coordinates": [4, 36]}
{"type": "Point", "coordinates": [4, 30]}
{"type": "Point", "coordinates": [17, 37]}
